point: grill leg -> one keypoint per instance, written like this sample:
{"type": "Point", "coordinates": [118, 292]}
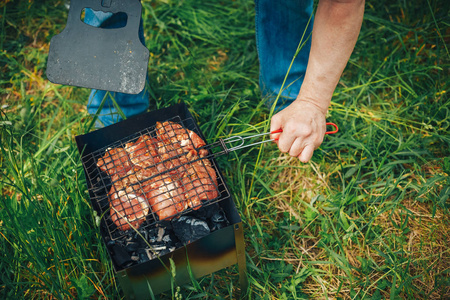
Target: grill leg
{"type": "Point", "coordinates": [242, 265]}
{"type": "Point", "coordinates": [126, 285]}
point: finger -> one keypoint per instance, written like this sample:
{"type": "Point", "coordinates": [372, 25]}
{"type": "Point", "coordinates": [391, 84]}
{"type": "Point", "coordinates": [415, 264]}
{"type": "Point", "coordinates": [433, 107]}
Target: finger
{"type": "Point", "coordinates": [285, 142]}
{"type": "Point", "coordinates": [296, 148]}
{"type": "Point", "coordinates": [306, 154]}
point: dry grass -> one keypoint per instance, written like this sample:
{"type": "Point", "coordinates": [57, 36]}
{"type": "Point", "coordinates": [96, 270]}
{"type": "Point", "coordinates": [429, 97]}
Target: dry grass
{"type": "Point", "coordinates": [425, 248]}
{"type": "Point", "coordinates": [426, 245]}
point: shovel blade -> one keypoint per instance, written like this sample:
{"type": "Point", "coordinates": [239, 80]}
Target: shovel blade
{"type": "Point", "coordinates": [99, 58]}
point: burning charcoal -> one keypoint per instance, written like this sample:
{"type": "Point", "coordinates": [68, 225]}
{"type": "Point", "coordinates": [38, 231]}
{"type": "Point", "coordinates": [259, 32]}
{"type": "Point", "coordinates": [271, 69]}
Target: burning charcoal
{"type": "Point", "coordinates": [218, 221]}
{"type": "Point", "coordinates": [170, 241]}
{"type": "Point", "coordinates": [216, 226]}
{"type": "Point", "coordinates": [143, 257]}
{"type": "Point", "coordinates": [166, 239]}
{"type": "Point", "coordinates": [121, 256]}
{"type": "Point", "coordinates": [142, 233]}
{"type": "Point", "coordinates": [151, 254]}
{"type": "Point", "coordinates": [132, 246]}
{"type": "Point", "coordinates": [153, 231]}
{"type": "Point", "coordinates": [167, 225]}
{"type": "Point", "coordinates": [164, 252]}
{"type": "Point", "coordinates": [158, 250]}
{"type": "Point", "coordinates": [161, 232]}
{"type": "Point", "coordinates": [189, 229]}
{"type": "Point", "coordinates": [153, 238]}
{"type": "Point", "coordinates": [158, 247]}
{"type": "Point", "coordinates": [152, 234]}
{"type": "Point", "coordinates": [129, 237]}
{"type": "Point", "coordinates": [206, 212]}
{"type": "Point", "coordinates": [218, 217]}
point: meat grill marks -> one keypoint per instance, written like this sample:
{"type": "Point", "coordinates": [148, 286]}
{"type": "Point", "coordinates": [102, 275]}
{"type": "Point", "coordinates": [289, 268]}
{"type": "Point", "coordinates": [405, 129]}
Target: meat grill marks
{"type": "Point", "coordinates": [115, 161]}
{"type": "Point", "coordinates": [179, 137]}
{"type": "Point", "coordinates": [199, 183]}
{"type": "Point", "coordinates": [165, 196]}
{"type": "Point", "coordinates": [143, 153]}
{"type": "Point", "coordinates": [165, 174]}
{"type": "Point", "coordinates": [128, 207]}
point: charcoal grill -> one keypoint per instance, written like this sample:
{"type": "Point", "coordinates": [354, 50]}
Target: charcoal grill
{"type": "Point", "coordinates": [103, 185]}
{"type": "Point", "coordinates": [223, 246]}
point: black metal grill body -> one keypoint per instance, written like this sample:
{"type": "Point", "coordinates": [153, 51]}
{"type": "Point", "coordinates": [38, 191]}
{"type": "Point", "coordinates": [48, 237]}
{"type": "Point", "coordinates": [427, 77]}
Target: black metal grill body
{"type": "Point", "coordinates": [208, 254]}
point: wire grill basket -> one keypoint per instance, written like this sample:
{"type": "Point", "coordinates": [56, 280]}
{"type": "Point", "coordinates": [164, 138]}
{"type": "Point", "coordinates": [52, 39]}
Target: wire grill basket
{"type": "Point", "coordinates": [153, 175]}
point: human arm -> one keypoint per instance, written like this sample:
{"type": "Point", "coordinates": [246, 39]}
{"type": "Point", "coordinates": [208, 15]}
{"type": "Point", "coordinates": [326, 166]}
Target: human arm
{"type": "Point", "coordinates": [335, 31]}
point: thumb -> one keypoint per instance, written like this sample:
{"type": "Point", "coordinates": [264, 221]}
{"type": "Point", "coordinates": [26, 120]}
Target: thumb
{"type": "Point", "coordinates": [275, 124]}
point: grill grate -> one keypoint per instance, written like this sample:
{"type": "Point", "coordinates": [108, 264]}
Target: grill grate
{"type": "Point", "coordinates": [153, 175]}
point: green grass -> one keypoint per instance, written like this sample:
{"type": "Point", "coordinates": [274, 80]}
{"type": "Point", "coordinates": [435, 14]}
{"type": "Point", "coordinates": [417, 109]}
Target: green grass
{"type": "Point", "coordinates": [368, 218]}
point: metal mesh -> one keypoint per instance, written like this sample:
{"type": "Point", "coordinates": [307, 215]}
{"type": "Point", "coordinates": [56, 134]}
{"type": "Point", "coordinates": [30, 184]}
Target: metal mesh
{"type": "Point", "coordinates": [154, 175]}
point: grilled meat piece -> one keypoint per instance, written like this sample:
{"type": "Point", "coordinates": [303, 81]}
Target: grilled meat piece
{"type": "Point", "coordinates": [115, 161]}
{"type": "Point", "coordinates": [143, 152]}
{"type": "Point", "coordinates": [180, 137]}
{"type": "Point", "coordinates": [172, 133]}
{"type": "Point", "coordinates": [128, 208]}
{"type": "Point", "coordinates": [200, 183]}
{"type": "Point", "coordinates": [133, 177]}
{"type": "Point", "coordinates": [165, 197]}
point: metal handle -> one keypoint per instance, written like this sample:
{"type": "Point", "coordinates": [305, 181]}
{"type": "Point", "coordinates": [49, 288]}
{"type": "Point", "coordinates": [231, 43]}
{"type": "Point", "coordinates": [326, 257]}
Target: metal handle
{"type": "Point", "coordinates": [132, 8]}
{"type": "Point", "coordinates": [241, 140]}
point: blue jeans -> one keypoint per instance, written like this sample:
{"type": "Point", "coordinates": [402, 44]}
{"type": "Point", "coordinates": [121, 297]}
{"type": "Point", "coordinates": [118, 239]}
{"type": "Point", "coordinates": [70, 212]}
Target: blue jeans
{"type": "Point", "coordinates": [279, 28]}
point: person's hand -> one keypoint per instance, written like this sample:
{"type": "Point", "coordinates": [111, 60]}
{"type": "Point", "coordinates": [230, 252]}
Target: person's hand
{"type": "Point", "coordinates": [335, 31]}
{"type": "Point", "coordinates": [304, 125]}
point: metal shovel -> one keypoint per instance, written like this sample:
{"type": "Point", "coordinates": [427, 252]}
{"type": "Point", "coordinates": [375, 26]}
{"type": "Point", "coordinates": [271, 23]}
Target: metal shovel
{"type": "Point", "coordinates": [99, 58]}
